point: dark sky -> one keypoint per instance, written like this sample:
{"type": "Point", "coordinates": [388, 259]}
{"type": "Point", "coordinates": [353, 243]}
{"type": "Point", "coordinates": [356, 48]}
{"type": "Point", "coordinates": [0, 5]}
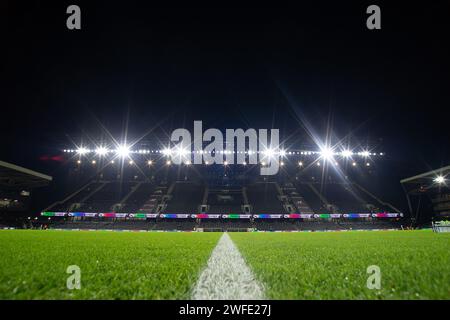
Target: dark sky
{"type": "Point", "coordinates": [230, 67]}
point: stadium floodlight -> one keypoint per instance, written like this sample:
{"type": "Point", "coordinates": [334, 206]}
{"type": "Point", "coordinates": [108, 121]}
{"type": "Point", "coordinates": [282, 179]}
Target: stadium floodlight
{"type": "Point", "coordinates": [439, 179]}
{"type": "Point", "coordinates": [263, 163]}
{"type": "Point", "coordinates": [79, 161]}
{"type": "Point", "coordinates": [300, 164]}
{"type": "Point", "coordinates": [367, 164]}
{"type": "Point", "coordinates": [283, 153]}
{"type": "Point", "coordinates": [244, 163]}
{"type": "Point", "coordinates": [168, 162]}
{"type": "Point", "coordinates": [123, 151]}
{"type": "Point", "coordinates": [318, 163]}
{"type": "Point", "coordinates": [180, 152]}
{"type": "Point", "coordinates": [82, 150]}
{"type": "Point", "coordinates": [131, 162]}
{"type": "Point", "coordinates": [269, 152]}
{"type": "Point", "coordinates": [354, 164]}
{"type": "Point", "coordinates": [94, 162]}
{"type": "Point", "coordinates": [365, 153]}
{"type": "Point", "coordinates": [206, 162]}
{"type": "Point", "coordinates": [101, 151]}
{"type": "Point", "coordinates": [167, 152]}
{"type": "Point", "coordinates": [112, 161]}
{"type": "Point", "coordinates": [281, 163]}
{"type": "Point", "coordinates": [149, 162]}
{"type": "Point", "coordinates": [187, 163]}
{"type": "Point", "coordinates": [326, 153]}
{"type": "Point", "coordinates": [225, 163]}
{"type": "Point", "coordinates": [347, 153]}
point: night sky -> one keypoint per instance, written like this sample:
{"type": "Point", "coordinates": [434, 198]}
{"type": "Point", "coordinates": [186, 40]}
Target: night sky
{"type": "Point", "coordinates": [230, 67]}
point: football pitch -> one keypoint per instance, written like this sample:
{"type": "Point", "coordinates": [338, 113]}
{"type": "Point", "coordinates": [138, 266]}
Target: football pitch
{"type": "Point", "coordinates": [166, 265]}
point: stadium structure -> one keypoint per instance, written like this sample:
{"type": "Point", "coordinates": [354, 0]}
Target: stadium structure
{"type": "Point", "coordinates": [16, 187]}
{"type": "Point", "coordinates": [428, 193]}
{"type": "Point", "coordinates": [141, 188]}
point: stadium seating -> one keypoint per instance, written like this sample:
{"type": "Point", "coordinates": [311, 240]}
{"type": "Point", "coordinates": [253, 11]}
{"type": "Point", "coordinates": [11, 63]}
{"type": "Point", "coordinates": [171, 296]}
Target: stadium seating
{"type": "Point", "coordinates": [138, 197]}
{"type": "Point", "coordinates": [186, 197]}
{"type": "Point", "coordinates": [106, 196]}
{"type": "Point", "coordinates": [225, 200]}
{"type": "Point", "coordinates": [77, 197]}
{"type": "Point", "coordinates": [344, 197]}
{"type": "Point", "coordinates": [264, 198]}
{"type": "Point", "coordinates": [310, 198]}
{"type": "Point", "coordinates": [169, 193]}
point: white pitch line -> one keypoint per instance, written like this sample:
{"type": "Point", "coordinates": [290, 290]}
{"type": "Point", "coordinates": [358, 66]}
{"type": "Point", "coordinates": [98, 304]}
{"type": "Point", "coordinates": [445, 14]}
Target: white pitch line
{"type": "Point", "coordinates": [227, 276]}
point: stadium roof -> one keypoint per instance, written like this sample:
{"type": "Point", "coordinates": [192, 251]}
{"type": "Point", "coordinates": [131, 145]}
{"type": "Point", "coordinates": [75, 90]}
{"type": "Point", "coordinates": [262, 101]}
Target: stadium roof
{"type": "Point", "coordinates": [427, 177]}
{"type": "Point", "coordinates": [12, 175]}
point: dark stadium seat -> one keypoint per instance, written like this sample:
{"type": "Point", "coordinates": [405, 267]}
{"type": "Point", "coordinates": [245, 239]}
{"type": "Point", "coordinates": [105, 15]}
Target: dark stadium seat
{"type": "Point", "coordinates": [264, 198]}
{"type": "Point", "coordinates": [186, 197]}
{"type": "Point", "coordinates": [225, 200]}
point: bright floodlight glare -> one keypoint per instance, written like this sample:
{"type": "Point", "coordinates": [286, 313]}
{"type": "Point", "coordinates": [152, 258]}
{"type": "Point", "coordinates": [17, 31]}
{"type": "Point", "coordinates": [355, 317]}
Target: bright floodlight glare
{"type": "Point", "coordinates": [368, 164]}
{"type": "Point", "coordinates": [123, 151]}
{"type": "Point", "coordinates": [78, 161]}
{"type": "Point", "coordinates": [439, 179]}
{"type": "Point", "coordinates": [281, 163]}
{"type": "Point", "coordinates": [354, 164]}
{"type": "Point", "coordinates": [365, 153]}
{"type": "Point", "coordinates": [150, 162]}
{"type": "Point", "coordinates": [282, 153]}
{"type": "Point", "coordinates": [347, 153]}
{"type": "Point", "coordinates": [326, 153]}
{"type": "Point", "coordinates": [101, 151]}
{"type": "Point", "coordinates": [94, 162]}
{"type": "Point", "coordinates": [225, 163]}
{"type": "Point", "coordinates": [166, 152]}
{"type": "Point", "coordinates": [300, 164]}
{"type": "Point", "coordinates": [168, 162]}
{"type": "Point", "coordinates": [82, 150]}
{"type": "Point", "coordinates": [130, 162]}
{"type": "Point", "coordinates": [269, 152]}
{"type": "Point", "coordinates": [180, 152]}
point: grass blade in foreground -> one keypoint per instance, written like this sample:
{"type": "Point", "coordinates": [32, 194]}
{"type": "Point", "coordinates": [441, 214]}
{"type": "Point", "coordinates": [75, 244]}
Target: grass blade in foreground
{"type": "Point", "coordinates": [114, 265]}
{"type": "Point", "coordinates": [333, 265]}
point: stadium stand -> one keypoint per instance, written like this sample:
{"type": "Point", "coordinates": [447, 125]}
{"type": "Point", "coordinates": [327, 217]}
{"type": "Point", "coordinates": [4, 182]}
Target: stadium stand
{"type": "Point", "coordinates": [105, 196]}
{"type": "Point", "coordinates": [16, 188]}
{"type": "Point", "coordinates": [216, 198]}
{"type": "Point", "coordinates": [225, 200]}
{"type": "Point", "coordinates": [138, 197]}
{"type": "Point", "coordinates": [184, 197]}
{"type": "Point", "coordinates": [310, 199]}
{"type": "Point", "coordinates": [265, 198]}
{"type": "Point", "coordinates": [344, 197]}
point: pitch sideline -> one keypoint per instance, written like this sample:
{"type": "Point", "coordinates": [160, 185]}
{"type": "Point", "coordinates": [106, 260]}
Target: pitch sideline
{"type": "Point", "coordinates": [227, 276]}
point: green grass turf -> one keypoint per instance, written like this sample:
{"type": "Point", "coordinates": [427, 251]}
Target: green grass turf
{"type": "Point", "coordinates": [114, 265]}
{"type": "Point", "coordinates": [332, 265]}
